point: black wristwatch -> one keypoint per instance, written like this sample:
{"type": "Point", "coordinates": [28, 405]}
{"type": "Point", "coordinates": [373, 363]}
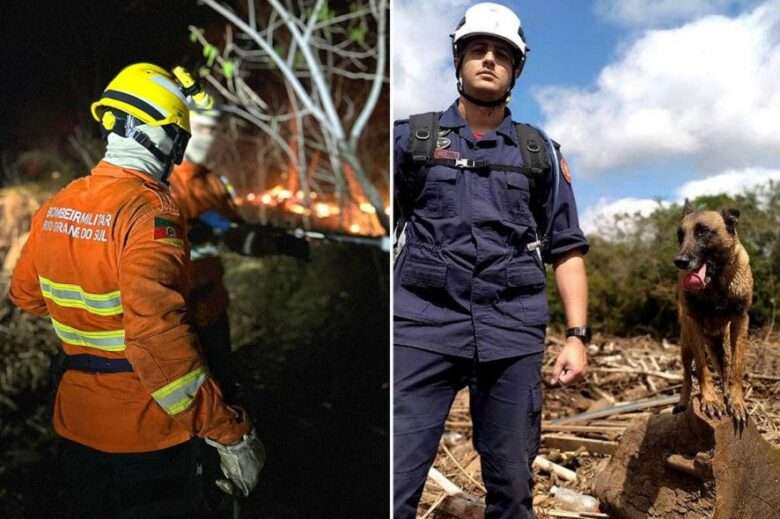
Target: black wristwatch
{"type": "Point", "coordinates": [582, 332]}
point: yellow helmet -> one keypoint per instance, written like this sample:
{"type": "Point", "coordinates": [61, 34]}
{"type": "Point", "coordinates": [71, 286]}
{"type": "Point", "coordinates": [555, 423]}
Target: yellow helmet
{"type": "Point", "coordinates": [147, 92]}
{"type": "Point", "coordinates": [155, 97]}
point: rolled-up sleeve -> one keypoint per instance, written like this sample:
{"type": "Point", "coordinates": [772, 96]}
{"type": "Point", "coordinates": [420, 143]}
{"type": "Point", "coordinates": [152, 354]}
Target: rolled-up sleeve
{"type": "Point", "coordinates": [565, 234]}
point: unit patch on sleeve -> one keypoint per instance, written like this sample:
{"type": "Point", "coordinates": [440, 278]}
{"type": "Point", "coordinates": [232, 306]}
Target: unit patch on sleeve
{"type": "Point", "coordinates": [168, 231]}
{"type": "Point", "coordinates": [565, 170]}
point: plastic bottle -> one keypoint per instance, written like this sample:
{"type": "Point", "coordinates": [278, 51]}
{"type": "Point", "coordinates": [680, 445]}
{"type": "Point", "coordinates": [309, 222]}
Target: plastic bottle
{"type": "Point", "coordinates": [574, 501]}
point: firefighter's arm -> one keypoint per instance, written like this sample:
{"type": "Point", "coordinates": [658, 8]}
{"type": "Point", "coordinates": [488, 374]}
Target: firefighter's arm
{"type": "Point", "coordinates": [572, 283]}
{"type": "Point", "coordinates": [160, 345]}
{"type": "Point", "coordinates": [25, 289]}
{"type": "Point", "coordinates": [567, 248]}
{"type": "Point", "coordinates": [565, 232]}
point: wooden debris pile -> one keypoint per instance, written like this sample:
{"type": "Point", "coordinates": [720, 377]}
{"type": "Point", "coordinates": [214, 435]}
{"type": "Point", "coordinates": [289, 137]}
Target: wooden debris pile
{"type": "Point", "coordinates": [630, 380]}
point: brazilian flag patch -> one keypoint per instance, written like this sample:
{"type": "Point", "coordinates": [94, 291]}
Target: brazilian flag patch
{"type": "Point", "coordinates": [168, 231]}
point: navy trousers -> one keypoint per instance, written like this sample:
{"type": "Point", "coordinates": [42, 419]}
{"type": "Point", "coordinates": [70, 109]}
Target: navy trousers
{"type": "Point", "coordinates": [162, 484]}
{"type": "Point", "coordinates": [506, 404]}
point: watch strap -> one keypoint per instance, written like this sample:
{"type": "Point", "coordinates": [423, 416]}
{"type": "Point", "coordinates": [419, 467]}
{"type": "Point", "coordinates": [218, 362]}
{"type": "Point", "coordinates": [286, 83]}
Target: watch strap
{"type": "Point", "coordinates": [582, 332]}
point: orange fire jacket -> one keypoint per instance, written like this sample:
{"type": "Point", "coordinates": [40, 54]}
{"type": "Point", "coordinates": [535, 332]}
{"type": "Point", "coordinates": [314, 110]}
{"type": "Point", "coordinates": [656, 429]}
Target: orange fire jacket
{"type": "Point", "coordinates": [198, 190]}
{"type": "Point", "coordinates": [107, 259]}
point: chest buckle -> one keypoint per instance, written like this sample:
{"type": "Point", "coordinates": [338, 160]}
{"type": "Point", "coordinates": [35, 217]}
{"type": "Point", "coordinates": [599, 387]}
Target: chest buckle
{"type": "Point", "coordinates": [471, 164]}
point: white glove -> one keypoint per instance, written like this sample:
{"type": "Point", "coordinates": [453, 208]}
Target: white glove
{"type": "Point", "coordinates": [241, 463]}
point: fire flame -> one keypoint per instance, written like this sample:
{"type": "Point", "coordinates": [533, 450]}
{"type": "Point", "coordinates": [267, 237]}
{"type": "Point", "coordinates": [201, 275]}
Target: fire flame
{"type": "Point", "coordinates": [356, 218]}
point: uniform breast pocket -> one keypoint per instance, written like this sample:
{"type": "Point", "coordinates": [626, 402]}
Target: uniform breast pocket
{"type": "Point", "coordinates": [518, 198]}
{"type": "Point", "coordinates": [526, 282]}
{"type": "Point", "coordinates": [439, 194]}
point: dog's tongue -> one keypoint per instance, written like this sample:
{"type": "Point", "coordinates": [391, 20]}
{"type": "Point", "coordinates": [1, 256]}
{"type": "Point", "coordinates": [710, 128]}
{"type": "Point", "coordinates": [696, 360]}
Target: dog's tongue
{"type": "Point", "coordinates": [695, 280]}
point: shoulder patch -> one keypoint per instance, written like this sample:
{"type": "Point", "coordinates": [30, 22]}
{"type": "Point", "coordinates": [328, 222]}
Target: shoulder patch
{"type": "Point", "coordinates": [168, 231]}
{"type": "Point", "coordinates": [565, 170]}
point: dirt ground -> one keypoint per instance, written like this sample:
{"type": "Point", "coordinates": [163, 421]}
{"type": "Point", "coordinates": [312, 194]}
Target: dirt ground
{"type": "Point", "coordinates": [621, 370]}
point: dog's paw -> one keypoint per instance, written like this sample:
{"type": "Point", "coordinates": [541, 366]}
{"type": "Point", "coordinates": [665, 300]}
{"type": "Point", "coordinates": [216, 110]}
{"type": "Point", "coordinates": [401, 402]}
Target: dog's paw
{"type": "Point", "coordinates": [713, 408]}
{"type": "Point", "coordinates": [738, 412]}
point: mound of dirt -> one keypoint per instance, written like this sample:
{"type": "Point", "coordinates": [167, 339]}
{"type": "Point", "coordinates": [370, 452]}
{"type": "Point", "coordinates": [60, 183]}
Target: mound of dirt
{"type": "Point", "coordinates": [733, 474]}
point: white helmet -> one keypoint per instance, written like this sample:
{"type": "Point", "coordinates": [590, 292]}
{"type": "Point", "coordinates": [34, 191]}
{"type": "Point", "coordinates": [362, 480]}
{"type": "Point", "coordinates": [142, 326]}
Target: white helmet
{"type": "Point", "coordinates": [495, 21]}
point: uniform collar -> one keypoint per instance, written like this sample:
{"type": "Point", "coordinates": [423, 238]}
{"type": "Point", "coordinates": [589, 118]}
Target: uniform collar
{"type": "Point", "coordinates": [106, 169]}
{"type": "Point", "coordinates": [452, 119]}
{"type": "Point", "coordinates": [188, 170]}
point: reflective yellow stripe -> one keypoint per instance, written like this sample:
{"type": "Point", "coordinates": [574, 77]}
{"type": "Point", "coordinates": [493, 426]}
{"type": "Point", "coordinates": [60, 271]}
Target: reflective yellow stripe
{"type": "Point", "coordinates": [73, 296]}
{"type": "Point", "coordinates": [111, 340]}
{"type": "Point", "coordinates": [179, 394]}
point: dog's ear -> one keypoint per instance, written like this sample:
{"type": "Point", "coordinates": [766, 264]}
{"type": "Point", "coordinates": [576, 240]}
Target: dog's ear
{"type": "Point", "coordinates": [687, 208]}
{"type": "Point", "coordinates": [731, 217]}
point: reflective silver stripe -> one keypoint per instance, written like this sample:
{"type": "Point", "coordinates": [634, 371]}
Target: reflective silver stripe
{"type": "Point", "coordinates": [205, 250]}
{"type": "Point", "coordinates": [73, 296]}
{"type": "Point", "coordinates": [179, 394]}
{"type": "Point", "coordinates": [112, 340]}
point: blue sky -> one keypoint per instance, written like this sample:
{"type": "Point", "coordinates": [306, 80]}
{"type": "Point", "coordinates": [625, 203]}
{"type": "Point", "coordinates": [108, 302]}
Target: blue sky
{"type": "Point", "coordinates": [651, 99]}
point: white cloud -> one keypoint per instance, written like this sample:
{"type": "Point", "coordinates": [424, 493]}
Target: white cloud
{"type": "Point", "coordinates": [611, 218]}
{"type": "Point", "coordinates": [644, 13]}
{"type": "Point", "coordinates": [731, 182]}
{"type": "Point", "coordinates": [706, 92]}
{"type": "Point", "coordinates": [423, 79]}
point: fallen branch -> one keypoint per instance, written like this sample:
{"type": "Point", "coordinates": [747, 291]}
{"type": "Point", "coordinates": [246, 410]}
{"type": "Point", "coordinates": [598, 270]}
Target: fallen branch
{"type": "Point", "coordinates": [629, 371]}
{"type": "Point", "coordinates": [572, 443]}
{"type": "Point", "coordinates": [626, 407]}
{"type": "Point", "coordinates": [552, 427]}
{"type": "Point", "coordinates": [576, 515]}
{"type": "Point", "coordinates": [448, 486]}
{"type": "Point", "coordinates": [455, 501]}
{"type": "Point", "coordinates": [460, 467]}
{"type": "Point", "coordinates": [543, 463]}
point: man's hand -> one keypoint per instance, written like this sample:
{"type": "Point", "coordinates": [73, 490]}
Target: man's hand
{"type": "Point", "coordinates": [241, 463]}
{"type": "Point", "coordinates": [572, 362]}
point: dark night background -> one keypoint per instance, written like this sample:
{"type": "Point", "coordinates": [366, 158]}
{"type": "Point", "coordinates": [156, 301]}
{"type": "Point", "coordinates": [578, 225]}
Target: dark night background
{"type": "Point", "coordinates": [58, 57]}
{"type": "Point", "coordinates": [322, 409]}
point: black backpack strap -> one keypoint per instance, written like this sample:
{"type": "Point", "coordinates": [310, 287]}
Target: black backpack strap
{"type": "Point", "coordinates": [423, 132]}
{"type": "Point", "coordinates": [533, 150]}
{"type": "Point", "coordinates": [536, 156]}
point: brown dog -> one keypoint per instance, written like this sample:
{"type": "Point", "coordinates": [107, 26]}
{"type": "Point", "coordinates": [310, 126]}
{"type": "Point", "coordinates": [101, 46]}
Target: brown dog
{"type": "Point", "coordinates": [715, 289]}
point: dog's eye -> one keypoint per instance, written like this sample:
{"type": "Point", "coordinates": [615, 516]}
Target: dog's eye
{"type": "Point", "coordinates": [701, 231]}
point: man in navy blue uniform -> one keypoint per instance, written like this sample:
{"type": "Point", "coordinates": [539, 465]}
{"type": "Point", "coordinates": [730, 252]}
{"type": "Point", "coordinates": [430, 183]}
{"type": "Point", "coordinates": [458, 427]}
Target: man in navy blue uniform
{"type": "Point", "coordinates": [482, 212]}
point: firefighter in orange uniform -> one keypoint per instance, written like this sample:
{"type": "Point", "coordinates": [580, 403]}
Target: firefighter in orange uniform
{"type": "Point", "coordinates": [206, 202]}
{"type": "Point", "coordinates": [106, 260]}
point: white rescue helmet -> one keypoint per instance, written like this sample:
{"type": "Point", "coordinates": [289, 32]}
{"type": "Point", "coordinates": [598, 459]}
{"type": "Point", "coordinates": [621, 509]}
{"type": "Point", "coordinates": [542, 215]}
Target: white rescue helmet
{"type": "Point", "coordinates": [493, 20]}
